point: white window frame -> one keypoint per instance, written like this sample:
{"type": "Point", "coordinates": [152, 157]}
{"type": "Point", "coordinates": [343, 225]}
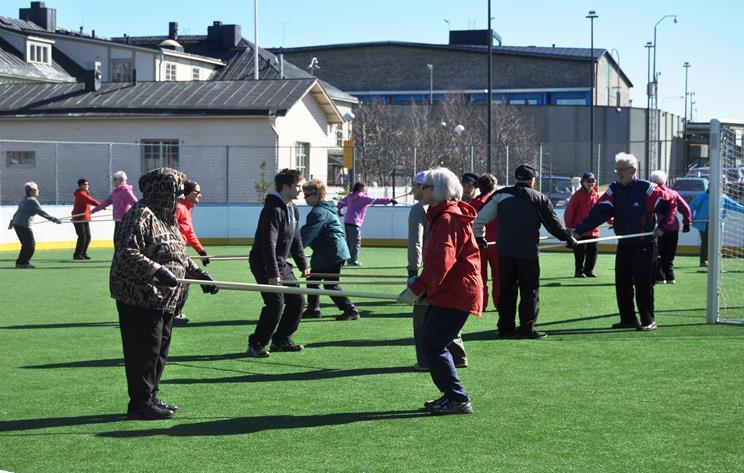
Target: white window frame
{"type": "Point", "coordinates": [195, 73]}
{"type": "Point", "coordinates": [124, 74]}
{"type": "Point", "coordinates": [171, 71]}
{"type": "Point", "coordinates": [302, 157]}
{"type": "Point", "coordinates": [38, 53]}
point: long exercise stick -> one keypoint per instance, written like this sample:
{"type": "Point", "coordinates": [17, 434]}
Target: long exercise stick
{"type": "Point", "coordinates": [376, 276]}
{"type": "Point", "coordinates": [596, 240]}
{"type": "Point", "coordinates": [356, 283]}
{"type": "Point", "coordinates": [238, 286]}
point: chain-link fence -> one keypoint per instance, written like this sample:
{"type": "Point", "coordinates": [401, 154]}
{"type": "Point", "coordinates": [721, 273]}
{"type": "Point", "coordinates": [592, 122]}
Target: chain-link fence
{"type": "Point", "coordinates": [244, 174]}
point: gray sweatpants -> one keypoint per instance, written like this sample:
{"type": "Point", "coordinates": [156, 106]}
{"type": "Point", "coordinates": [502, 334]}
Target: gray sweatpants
{"type": "Point", "coordinates": [354, 240]}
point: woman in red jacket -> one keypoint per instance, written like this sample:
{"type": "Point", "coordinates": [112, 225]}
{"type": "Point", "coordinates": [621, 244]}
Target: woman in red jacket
{"type": "Point", "coordinates": [451, 281]}
{"type": "Point", "coordinates": [578, 208]}
{"type": "Point", "coordinates": [81, 218]}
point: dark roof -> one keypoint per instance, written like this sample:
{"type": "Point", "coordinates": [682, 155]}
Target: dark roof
{"type": "Point", "coordinates": [259, 98]}
{"type": "Point", "coordinates": [12, 64]}
{"type": "Point", "coordinates": [18, 25]}
{"type": "Point", "coordinates": [571, 54]}
{"type": "Point", "coordinates": [238, 60]}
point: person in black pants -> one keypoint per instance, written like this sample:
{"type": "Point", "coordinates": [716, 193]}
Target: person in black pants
{"type": "Point", "coordinates": [81, 218]}
{"type": "Point", "coordinates": [278, 235]}
{"type": "Point", "coordinates": [22, 221]}
{"type": "Point", "coordinates": [636, 205]}
{"type": "Point", "coordinates": [522, 210]}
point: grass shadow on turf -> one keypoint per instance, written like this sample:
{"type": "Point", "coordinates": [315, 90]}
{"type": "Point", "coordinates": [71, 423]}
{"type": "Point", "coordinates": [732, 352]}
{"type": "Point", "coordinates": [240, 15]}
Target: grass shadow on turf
{"type": "Point", "coordinates": [252, 425]}
{"type": "Point", "coordinates": [31, 424]}
{"type": "Point", "coordinates": [324, 373]}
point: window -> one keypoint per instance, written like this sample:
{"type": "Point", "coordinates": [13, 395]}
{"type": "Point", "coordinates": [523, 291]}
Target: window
{"type": "Point", "coordinates": [121, 70]}
{"type": "Point", "coordinates": [195, 74]}
{"type": "Point", "coordinates": [170, 71]}
{"type": "Point", "coordinates": [159, 153]}
{"type": "Point", "coordinates": [340, 137]}
{"type": "Point", "coordinates": [39, 53]}
{"type": "Point", "coordinates": [20, 159]}
{"type": "Point", "coordinates": [302, 156]}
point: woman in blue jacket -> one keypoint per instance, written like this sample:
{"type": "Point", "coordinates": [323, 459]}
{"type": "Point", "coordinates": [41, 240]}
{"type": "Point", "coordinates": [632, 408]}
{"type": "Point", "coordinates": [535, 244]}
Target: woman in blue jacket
{"type": "Point", "coordinates": [699, 207]}
{"type": "Point", "coordinates": [324, 233]}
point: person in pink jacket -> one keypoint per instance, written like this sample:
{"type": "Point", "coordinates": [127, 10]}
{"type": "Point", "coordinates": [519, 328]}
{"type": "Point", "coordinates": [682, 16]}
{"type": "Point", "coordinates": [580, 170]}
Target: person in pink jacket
{"type": "Point", "coordinates": [356, 205]}
{"type": "Point", "coordinates": [581, 202]}
{"type": "Point", "coordinates": [669, 239]}
{"type": "Point", "coordinates": [122, 198]}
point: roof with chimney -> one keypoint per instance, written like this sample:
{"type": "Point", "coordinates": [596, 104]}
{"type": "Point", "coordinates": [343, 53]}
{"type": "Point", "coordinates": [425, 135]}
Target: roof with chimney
{"type": "Point", "coordinates": [199, 98]}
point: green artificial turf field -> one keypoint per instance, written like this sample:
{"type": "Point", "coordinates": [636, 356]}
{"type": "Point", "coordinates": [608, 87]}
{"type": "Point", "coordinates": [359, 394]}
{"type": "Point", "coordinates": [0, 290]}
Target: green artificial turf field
{"type": "Point", "coordinates": [585, 399]}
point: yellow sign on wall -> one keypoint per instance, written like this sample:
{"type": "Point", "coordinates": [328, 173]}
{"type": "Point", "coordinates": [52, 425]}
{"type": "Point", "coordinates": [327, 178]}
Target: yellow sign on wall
{"type": "Point", "coordinates": [348, 154]}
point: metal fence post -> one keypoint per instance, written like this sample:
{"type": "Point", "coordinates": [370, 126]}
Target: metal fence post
{"type": "Point", "coordinates": [414, 160]}
{"type": "Point", "coordinates": [227, 174]}
{"type": "Point", "coordinates": [162, 156]}
{"type": "Point", "coordinates": [56, 174]}
{"type": "Point", "coordinates": [539, 169]}
{"type": "Point", "coordinates": [599, 161]}
{"type": "Point", "coordinates": [471, 158]}
{"type": "Point", "coordinates": [506, 174]}
{"type": "Point", "coordinates": [110, 165]}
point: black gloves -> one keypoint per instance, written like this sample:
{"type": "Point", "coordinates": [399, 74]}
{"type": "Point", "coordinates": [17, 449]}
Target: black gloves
{"type": "Point", "coordinates": [482, 243]}
{"type": "Point", "coordinates": [571, 241]}
{"type": "Point", "coordinates": [57, 221]}
{"type": "Point", "coordinates": [208, 288]}
{"type": "Point", "coordinates": [394, 202]}
{"type": "Point", "coordinates": [205, 261]}
{"type": "Point", "coordinates": [412, 272]}
{"type": "Point", "coordinates": [165, 277]}
{"type": "Point", "coordinates": [685, 228]}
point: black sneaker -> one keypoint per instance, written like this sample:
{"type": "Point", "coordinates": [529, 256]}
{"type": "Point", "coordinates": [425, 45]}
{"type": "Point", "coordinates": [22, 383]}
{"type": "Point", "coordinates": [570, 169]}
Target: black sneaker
{"type": "Point", "coordinates": [512, 334]}
{"type": "Point", "coordinates": [671, 281]}
{"type": "Point", "coordinates": [579, 274]}
{"type": "Point", "coordinates": [661, 281]}
{"type": "Point", "coordinates": [448, 407]}
{"type": "Point", "coordinates": [86, 257]}
{"type": "Point", "coordinates": [429, 404]}
{"type": "Point", "coordinates": [625, 325]}
{"type": "Point", "coordinates": [351, 315]}
{"type": "Point", "coordinates": [164, 405]}
{"type": "Point", "coordinates": [533, 335]}
{"type": "Point", "coordinates": [77, 257]}
{"type": "Point", "coordinates": [286, 345]}
{"type": "Point", "coordinates": [257, 351]}
{"type": "Point", "coordinates": [648, 327]}
{"type": "Point", "coordinates": [25, 266]}
{"type": "Point", "coordinates": [590, 275]}
{"type": "Point", "coordinates": [149, 412]}
{"type": "Point", "coordinates": [180, 319]}
{"type": "Point", "coordinates": [311, 314]}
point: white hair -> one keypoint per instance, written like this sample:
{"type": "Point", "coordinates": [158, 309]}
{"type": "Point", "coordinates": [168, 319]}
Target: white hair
{"type": "Point", "coordinates": [626, 161]}
{"type": "Point", "coordinates": [658, 177]}
{"type": "Point", "coordinates": [29, 186]}
{"type": "Point", "coordinates": [120, 176]}
{"type": "Point", "coordinates": [445, 185]}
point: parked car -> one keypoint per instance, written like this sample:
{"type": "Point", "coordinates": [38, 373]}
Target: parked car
{"type": "Point", "coordinates": [557, 188]}
{"type": "Point", "coordinates": [732, 174]}
{"type": "Point", "coordinates": [689, 187]}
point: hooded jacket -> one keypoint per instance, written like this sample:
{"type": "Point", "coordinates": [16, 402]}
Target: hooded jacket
{"type": "Point", "coordinates": [699, 207]}
{"type": "Point", "coordinates": [122, 199]}
{"type": "Point", "coordinates": [148, 238]}
{"type": "Point", "coordinates": [451, 277]}
{"type": "Point", "coordinates": [356, 205]}
{"type": "Point", "coordinates": [324, 233]}
{"type": "Point", "coordinates": [578, 208]}
{"type": "Point", "coordinates": [277, 235]}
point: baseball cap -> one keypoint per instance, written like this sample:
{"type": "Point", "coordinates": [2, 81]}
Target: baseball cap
{"type": "Point", "coordinates": [525, 172]}
{"type": "Point", "coordinates": [588, 176]}
{"type": "Point", "coordinates": [419, 177]}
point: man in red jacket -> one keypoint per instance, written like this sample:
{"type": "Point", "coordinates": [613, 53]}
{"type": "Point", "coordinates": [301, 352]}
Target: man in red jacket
{"type": "Point", "coordinates": [81, 218]}
{"type": "Point", "coordinates": [191, 196]}
{"type": "Point", "coordinates": [578, 208]}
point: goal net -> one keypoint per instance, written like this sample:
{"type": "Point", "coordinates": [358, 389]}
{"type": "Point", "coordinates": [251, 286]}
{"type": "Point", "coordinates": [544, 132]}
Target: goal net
{"type": "Point", "coordinates": [726, 225]}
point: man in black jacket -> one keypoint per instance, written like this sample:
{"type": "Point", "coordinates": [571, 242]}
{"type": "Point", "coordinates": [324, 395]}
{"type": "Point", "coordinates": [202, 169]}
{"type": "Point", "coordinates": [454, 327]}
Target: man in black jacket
{"type": "Point", "coordinates": [278, 235]}
{"type": "Point", "coordinates": [521, 210]}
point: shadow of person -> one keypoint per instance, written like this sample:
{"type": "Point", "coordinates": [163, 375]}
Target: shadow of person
{"type": "Point", "coordinates": [31, 424]}
{"type": "Point", "coordinates": [252, 425]}
{"type": "Point", "coordinates": [323, 373]}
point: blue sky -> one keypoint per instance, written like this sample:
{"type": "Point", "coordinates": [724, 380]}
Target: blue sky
{"type": "Point", "coordinates": [708, 34]}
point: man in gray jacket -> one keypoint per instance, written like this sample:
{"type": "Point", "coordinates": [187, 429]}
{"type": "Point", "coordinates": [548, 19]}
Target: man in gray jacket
{"type": "Point", "coordinates": [417, 232]}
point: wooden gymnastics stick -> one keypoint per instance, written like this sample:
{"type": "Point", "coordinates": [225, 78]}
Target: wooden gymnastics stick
{"type": "Point", "coordinates": [596, 240]}
{"type": "Point", "coordinates": [358, 283]}
{"type": "Point", "coordinates": [238, 286]}
{"type": "Point", "coordinates": [221, 258]}
{"type": "Point", "coordinates": [544, 237]}
{"type": "Point", "coordinates": [376, 276]}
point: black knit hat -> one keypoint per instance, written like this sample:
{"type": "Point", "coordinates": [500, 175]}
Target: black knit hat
{"type": "Point", "coordinates": [525, 172]}
{"type": "Point", "coordinates": [470, 177]}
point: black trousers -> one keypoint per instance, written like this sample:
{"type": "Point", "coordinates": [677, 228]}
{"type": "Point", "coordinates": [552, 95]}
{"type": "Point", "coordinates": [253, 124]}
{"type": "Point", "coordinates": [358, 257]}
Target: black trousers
{"type": "Point", "coordinates": [281, 313]}
{"type": "Point", "coordinates": [585, 257]}
{"type": "Point", "coordinates": [635, 267]}
{"type": "Point", "coordinates": [117, 224]}
{"type": "Point", "coordinates": [667, 251]}
{"type": "Point", "coordinates": [330, 283]}
{"type": "Point", "coordinates": [523, 275]}
{"type": "Point", "coordinates": [145, 337]}
{"type": "Point", "coordinates": [83, 233]}
{"type": "Point", "coordinates": [704, 245]}
{"type": "Point", "coordinates": [28, 244]}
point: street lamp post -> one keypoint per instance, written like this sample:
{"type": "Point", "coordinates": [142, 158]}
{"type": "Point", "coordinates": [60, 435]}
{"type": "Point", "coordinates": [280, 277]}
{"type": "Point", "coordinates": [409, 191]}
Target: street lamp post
{"type": "Point", "coordinates": [489, 93]}
{"type": "Point", "coordinates": [686, 65]}
{"type": "Point", "coordinates": [650, 91]}
{"type": "Point", "coordinates": [592, 15]}
{"type": "Point", "coordinates": [656, 87]}
{"type": "Point", "coordinates": [431, 83]}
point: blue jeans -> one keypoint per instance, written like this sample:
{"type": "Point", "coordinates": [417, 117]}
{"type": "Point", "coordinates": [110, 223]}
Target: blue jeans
{"type": "Point", "coordinates": [441, 326]}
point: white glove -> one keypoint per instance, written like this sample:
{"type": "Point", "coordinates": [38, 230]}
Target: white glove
{"type": "Point", "coordinates": [408, 297]}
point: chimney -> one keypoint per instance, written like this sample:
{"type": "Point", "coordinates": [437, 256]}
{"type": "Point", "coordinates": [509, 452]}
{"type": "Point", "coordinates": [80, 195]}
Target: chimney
{"type": "Point", "coordinates": [40, 15]}
{"type": "Point", "coordinates": [227, 35]}
{"type": "Point", "coordinates": [134, 76]}
{"type": "Point", "coordinates": [93, 77]}
{"type": "Point", "coordinates": [173, 31]}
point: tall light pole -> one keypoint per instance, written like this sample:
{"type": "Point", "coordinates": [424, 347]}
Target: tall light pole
{"type": "Point", "coordinates": [592, 15]}
{"type": "Point", "coordinates": [650, 91]}
{"type": "Point", "coordinates": [686, 65]}
{"type": "Point", "coordinates": [255, 40]}
{"type": "Point", "coordinates": [692, 105]}
{"type": "Point", "coordinates": [656, 90]}
{"type": "Point", "coordinates": [489, 93]}
{"type": "Point", "coordinates": [431, 83]}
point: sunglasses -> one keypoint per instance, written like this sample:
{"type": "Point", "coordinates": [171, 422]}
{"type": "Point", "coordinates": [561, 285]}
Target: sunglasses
{"type": "Point", "coordinates": [310, 194]}
{"type": "Point", "coordinates": [427, 186]}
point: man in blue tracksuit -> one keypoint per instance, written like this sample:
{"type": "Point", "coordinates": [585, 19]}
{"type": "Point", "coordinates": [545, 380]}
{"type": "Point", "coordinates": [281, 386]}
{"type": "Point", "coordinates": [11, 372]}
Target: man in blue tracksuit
{"type": "Point", "coordinates": [634, 204]}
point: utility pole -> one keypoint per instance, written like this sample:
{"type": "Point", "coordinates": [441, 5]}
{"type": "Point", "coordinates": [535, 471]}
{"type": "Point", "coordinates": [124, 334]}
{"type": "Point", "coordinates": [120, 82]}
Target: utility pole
{"type": "Point", "coordinates": [592, 96]}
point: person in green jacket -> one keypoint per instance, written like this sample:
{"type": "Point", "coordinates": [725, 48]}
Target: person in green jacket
{"type": "Point", "coordinates": [324, 233]}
